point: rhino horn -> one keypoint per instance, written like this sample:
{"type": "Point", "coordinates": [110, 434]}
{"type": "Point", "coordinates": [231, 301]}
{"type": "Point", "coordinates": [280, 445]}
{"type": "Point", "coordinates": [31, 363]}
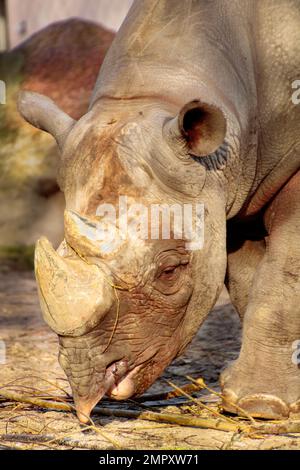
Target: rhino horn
{"type": "Point", "coordinates": [203, 127]}
{"type": "Point", "coordinates": [44, 114]}
{"type": "Point", "coordinates": [74, 295]}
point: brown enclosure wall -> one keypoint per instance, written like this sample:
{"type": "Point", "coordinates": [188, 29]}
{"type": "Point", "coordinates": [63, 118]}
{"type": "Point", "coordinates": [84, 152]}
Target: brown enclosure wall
{"type": "Point", "coordinates": [24, 17]}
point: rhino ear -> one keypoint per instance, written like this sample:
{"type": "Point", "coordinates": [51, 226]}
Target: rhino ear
{"type": "Point", "coordinates": [44, 114]}
{"type": "Point", "coordinates": [203, 127]}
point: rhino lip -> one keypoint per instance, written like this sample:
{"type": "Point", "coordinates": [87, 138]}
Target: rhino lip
{"type": "Point", "coordinates": [114, 374]}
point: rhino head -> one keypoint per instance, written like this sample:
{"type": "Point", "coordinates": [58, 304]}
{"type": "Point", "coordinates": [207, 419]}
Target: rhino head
{"type": "Point", "coordinates": [125, 307]}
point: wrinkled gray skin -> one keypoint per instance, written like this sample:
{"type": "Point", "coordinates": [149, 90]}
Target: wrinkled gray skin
{"type": "Point", "coordinates": [193, 104]}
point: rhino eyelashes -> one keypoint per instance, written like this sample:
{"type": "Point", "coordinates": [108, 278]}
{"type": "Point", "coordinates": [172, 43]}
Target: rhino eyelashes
{"type": "Point", "coordinates": [215, 161]}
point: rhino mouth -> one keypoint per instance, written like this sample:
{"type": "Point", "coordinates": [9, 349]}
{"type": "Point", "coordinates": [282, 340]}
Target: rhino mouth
{"type": "Point", "coordinates": [117, 383]}
{"type": "Point", "coordinates": [120, 382]}
{"type": "Point", "coordinates": [115, 372]}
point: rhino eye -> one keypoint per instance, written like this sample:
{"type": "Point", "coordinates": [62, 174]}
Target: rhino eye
{"type": "Point", "coordinates": [169, 278]}
{"type": "Point", "coordinates": [170, 273]}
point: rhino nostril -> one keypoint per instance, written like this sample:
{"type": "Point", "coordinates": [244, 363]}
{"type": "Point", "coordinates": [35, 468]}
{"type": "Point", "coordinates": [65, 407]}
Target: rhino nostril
{"type": "Point", "coordinates": [117, 368]}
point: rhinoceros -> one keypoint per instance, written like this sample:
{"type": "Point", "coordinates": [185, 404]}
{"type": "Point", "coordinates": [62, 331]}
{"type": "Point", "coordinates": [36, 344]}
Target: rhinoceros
{"type": "Point", "coordinates": [193, 105]}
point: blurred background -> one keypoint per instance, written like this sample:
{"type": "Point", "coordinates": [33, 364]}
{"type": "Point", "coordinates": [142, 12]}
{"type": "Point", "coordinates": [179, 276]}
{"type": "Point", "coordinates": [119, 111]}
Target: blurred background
{"type": "Point", "coordinates": [55, 48]}
{"type": "Point", "coordinates": [19, 19]}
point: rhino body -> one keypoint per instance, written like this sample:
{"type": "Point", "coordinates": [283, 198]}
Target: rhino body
{"type": "Point", "coordinates": [192, 104]}
{"type": "Point", "coordinates": [30, 201]}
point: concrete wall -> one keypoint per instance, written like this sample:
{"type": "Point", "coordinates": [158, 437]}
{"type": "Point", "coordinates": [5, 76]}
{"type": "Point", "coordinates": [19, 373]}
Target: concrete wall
{"type": "Point", "coordinates": [25, 17]}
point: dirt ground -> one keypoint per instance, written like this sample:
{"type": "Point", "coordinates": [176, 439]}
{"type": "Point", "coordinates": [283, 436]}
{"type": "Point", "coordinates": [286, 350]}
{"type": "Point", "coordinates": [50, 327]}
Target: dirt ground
{"type": "Point", "coordinates": [31, 367]}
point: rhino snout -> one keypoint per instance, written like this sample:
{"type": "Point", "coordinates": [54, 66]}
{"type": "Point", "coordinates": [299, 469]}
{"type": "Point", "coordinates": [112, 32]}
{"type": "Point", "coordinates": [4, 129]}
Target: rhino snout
{"type": "Point", "coordinates": [92, 376]}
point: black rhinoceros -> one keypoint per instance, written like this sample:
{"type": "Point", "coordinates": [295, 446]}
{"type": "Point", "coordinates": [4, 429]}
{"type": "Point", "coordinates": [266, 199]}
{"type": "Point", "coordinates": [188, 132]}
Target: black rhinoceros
{"type": "Point", "coordinates": [193, 105]}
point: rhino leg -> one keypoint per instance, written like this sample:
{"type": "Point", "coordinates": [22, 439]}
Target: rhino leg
{"type": "Point", "coordinates": [265, 379]}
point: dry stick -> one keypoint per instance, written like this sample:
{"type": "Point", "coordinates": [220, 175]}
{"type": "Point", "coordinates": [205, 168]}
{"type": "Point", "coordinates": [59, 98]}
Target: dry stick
{"type": "Point", "coordinates": [170, 418]}
{"type": "Point", "coordinates": [142, 405]}
{"type": "Point", "coordinates": [40, 397]}
{"type": "Point", "coordinates": [15, 438]}
{"type": "Point", "coordinates": [69, 434]}
{"type": "Point", "coordinates": [16, 447]}
{"type": "Point", "coordinates": [243, 427]}
{"type": "Point", "coordinates": [45, 439]}
{"type": "Point", "coordinates": [50, 404]}
{"type": "Point", "coordinates": [188, 388]}
{"type": "Point", "coordinates": [201, 384]}
{"type": "Point", "coordinates": [12, 420]}
{"type": "Point", "coordinates": [201, 405]}
{"type": "Point", "coordinates": [55, 386]}
{"type": "Point", "coordinates": [147, 415]}
{"type": "Point", "coordinates": [283, 427]}
{"type": "Point", "coordinates": [54, 405]}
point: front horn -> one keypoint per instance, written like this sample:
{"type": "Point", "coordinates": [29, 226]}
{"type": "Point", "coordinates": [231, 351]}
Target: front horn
{"type": "Point", "coordinates": [74, 295]}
